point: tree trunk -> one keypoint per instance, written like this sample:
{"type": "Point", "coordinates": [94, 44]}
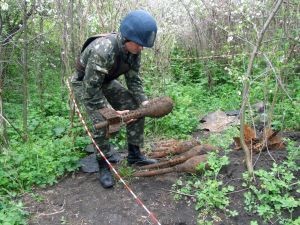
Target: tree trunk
{"type": "Point", "coordinates": [246, 86]}
{"type": "Point", "coordinates": [40, 79]}
{"type": "Point", "coordinates": [3, 133]}
{"type": "Point", "coordinates": [72, 31]}
{"type": "Point", "coordinates": [65, 63]}
{"type": "Point", "coordinates": [25, 75]}
{"type": "Point", "coordinates": [197, 42]}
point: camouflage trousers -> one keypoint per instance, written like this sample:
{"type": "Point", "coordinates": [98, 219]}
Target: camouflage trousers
{"type": "Point", "coordinates": [120, 98]}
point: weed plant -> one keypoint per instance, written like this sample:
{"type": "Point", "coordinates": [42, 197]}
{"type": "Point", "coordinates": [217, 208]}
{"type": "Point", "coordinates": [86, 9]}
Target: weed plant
{"type": "Point", "coordinates": [52, 149]}
{"type": "Point", "coordinates": [272, 199]}
{"type": "Point", "coordinates": [12, 212]}
{"type": "Point", "coordinates": [272, 195]}
{"type": "Point", "coordinates": [207, 191]}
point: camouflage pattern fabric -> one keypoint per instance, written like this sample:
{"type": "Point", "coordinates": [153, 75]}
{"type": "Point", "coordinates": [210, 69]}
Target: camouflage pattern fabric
{"type": "Point", "coordinates": [99, 59]}
{"type": "Point", "coordinates": [98, 91]}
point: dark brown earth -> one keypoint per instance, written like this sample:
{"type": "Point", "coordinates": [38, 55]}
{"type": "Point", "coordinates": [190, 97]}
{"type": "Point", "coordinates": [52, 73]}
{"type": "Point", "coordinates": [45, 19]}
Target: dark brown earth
{"type": "Point", "coordinates": [232, 175]}
{"type": "Point", "coordinates": [78, 198]}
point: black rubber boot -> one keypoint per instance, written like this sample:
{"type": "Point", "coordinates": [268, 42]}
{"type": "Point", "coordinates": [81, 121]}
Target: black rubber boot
{"type": "Point", "coordinates": [135, 156]}
{"type": "Point", "coordinates": [106, 179]}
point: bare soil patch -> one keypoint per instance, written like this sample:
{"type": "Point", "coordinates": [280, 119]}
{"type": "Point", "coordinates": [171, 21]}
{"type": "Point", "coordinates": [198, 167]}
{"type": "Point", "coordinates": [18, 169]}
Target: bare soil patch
{"type": "Point", "coordinates": [78, 198]}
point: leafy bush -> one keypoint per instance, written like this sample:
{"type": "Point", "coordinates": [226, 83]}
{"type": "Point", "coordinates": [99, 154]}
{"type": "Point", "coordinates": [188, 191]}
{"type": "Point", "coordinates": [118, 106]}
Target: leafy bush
{"type": "Point", "coordinates": [187, 69]}
{"type": "Point", "coordinates": [224, 139]}
{"type": "Point", "coordinates": [191, 102]}
{"type": "Point", "coordinates": [12, 213]}
{"type": "Point", "coordinates": [272, 197]}
{"type": "Point", "coordinates": [48, 154]}
{"type": "Point", "coordinates": [207, 191]}
{"type": "Point", "coordinates": [36, 163]}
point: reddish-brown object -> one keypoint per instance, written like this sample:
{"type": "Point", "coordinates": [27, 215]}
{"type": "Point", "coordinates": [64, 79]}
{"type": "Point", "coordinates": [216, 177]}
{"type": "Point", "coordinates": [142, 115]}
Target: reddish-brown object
{"type": "Point", "coordinates": [157, 107]}
{"type": "Point", "coordinates": [163, 144]}
{"type": "Point", "coordinates": [176, 149]}
{"type": "Point", "coordinates": [268, 139]}
{"type": "Point", "coordinates": [188, 166]}
{"type": "Point", "coordinates": [197, 150]}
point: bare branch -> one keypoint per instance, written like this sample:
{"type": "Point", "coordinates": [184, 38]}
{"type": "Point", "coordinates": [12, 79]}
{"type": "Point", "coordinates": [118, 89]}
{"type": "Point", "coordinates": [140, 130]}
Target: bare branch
{"type": "Point", "coordinates": [19, 26]}
{"type": "Point", "coordinates": [16, 129]}
{"type": "Point", "coordinates": [247, 85]}
{"type": "Point", "coordinates": [1, 24]}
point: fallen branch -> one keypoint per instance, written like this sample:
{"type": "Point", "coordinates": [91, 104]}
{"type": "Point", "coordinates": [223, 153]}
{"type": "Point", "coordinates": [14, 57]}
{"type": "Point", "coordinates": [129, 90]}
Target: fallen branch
{"type": "Point", "coordinates": [50, 214]}
{"type": "Point", "coordinates": [16, 129]}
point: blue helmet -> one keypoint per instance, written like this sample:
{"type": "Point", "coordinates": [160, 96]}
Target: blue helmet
{"type": "Point", "coordinates": [140, 27]}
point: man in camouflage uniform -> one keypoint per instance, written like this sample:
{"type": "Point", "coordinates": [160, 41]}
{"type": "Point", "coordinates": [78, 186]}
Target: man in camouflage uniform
{"type": "Point", "coordinates": [103, 59]}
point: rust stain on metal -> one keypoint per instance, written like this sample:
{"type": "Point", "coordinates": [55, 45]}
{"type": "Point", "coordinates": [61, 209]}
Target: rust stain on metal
{"type": "Point", "coordinates": [157, 107]}
{"type": "Point", "coordinates": [176, 149]}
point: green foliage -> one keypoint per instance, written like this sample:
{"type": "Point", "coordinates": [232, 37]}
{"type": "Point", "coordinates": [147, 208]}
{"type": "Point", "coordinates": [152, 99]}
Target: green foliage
{"type": "Point", "coordinates": [215, 164]}
{"type": "Point", "coordinates": [41, 161]}
{"type": "Point", "coordinates": [188, 87]}
{"type": "Point", "coordinates": [51, 151]}
{"type": "Point", "coordinates": [191, 102]}
{"type": "Point", "coordinates": [12, 213]}
{"type": "Point", "coordinates": [10, 10]}
{"type": "Point", "coordinates": [287, 112]}
{"type": "Point", "coordinates": [224, 139]}
{"type": "Point", "coordinates": [272, 197]}
{"type": "Point", "coordinates": [119, 140]}
{"type": "Point", "coordinates": [207, 191]}
{"type": "Point", "coordinates": [264, 85]}
{"type": "Point", "coordinates": [182, 120]}
{"type": "Point", "coordinates": [188, 70]}
{"type": "Point", "coordinates": [36, 163]}
{"type": "Point", "coordinates": [125, 170]}
{"type": "Point", "coordinates": [211, 196]}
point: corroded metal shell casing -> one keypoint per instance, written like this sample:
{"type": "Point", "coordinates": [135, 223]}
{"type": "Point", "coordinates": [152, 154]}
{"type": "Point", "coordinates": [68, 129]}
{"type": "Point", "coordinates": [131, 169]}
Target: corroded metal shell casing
{"type": "Point", "coordinates": [157, 107]}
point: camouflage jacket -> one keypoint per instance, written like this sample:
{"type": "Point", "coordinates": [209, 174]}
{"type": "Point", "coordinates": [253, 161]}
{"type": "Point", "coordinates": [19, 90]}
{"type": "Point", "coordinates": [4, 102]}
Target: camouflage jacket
{"type": "Point", "coordinates": [99, 58]}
